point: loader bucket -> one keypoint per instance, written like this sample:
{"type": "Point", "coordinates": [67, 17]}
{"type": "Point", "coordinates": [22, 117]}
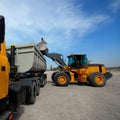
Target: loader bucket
{"type": "Point", "coordinates": [42, 46]}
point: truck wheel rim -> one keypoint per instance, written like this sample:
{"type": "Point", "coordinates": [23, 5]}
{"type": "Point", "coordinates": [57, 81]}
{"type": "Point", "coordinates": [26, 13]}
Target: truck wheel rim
{"type": "Point", "coordinates": [62, 79]}
{"type": "Point", "coordinates": [99, 80]}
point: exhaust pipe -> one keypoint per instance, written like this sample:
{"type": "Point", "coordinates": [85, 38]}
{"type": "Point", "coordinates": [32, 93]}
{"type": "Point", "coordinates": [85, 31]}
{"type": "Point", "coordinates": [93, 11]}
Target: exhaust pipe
{"type": "Point", "coordinates": [13, 67]}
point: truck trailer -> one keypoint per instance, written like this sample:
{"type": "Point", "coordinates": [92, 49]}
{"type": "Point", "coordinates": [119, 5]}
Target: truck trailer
{"type": "Point", "coordinates": [22, 73]}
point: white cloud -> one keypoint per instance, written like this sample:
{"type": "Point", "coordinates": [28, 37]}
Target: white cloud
{"type": "Point", "coordinates": [56, 19]}
{"type": "Point", "coordinates": [115, 5]}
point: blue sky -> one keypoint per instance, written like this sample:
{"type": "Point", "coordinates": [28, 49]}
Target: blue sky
{"type": "Point", "coordinates": [69, 26]}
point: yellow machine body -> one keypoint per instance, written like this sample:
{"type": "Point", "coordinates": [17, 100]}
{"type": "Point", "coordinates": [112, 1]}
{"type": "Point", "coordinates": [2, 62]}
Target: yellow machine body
{"type": "Point", "coordinates": [4, 71]}
{"type": "Point", "coordinates": [78, 69]}
{"type": "Point", "coordinates": [83, 73]}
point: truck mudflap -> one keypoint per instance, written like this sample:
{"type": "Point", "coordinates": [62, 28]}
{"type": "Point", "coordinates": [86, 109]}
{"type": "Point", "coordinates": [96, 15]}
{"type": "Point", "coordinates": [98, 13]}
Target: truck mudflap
{"type": "Point", "coordinates": [17, 94]}
{"type": "Point", "coordinates": [108, 75]}
{"type": "Point", "coordinates": [7, 115]}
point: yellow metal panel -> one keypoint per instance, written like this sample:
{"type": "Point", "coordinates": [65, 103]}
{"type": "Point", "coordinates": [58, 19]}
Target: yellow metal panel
{"type": "Point", "coordinates": [104, 70]}
{"type": "Point", "coordinates": [92, 69]}
{"type": "Point", "coordinates": [72, 77]}
{"type": "Point", "coordinates": [96, 68]}
{"type": "Point", "coordinates": [82, 78]}
{"type": "Point", "coordinates": [82, 75]}
{"type": "Point", "coordinates": [4, 72]}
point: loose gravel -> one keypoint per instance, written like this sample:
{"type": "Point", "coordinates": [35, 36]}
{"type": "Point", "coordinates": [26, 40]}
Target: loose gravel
{"type": "Point", "coordinates": [74, 102]}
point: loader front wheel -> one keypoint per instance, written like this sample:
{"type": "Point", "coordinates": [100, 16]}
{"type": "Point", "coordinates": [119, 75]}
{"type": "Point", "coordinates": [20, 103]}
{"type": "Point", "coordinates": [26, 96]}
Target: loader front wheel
{"type": "Point", "coordinates": [62, 79]}
{"type": "Point", "coordinates": [97, 79]}
{"type": "Point", "coordinates": [53, 76]}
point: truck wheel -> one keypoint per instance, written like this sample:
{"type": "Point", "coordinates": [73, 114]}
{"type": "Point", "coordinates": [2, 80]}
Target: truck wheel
{"type": "Point", "coordinates": [53, 76]}
{"type": "Point", "coordinates": [42, 84]}
{"type": "Point", "coordinates": [97, 79]}
{"type": "Point", "coordinates": [38, 89]}
{"type": "Point", "coordinates": [32, 97]}
{"type": "Point", "coordinates": [62, 79]}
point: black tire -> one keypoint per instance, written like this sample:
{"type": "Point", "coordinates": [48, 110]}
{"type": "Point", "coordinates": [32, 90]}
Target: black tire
{"type": "Point", "coordinates": [53, 76]}
{"type": "Point", "coordinates": [32, 97]}
{"type": "Point", "coordinates": [43, 81]}
{"type": "Point", "coordinates": [62, 79]}
{"type": "Point", "coordinates": [97, 79]}
{"type": "Point", "coordinates": [38, 89]}
{"type": "Point", "coordinates": [42, 84]}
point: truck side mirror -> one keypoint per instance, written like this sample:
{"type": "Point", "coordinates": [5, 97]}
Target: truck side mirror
{"type": "Point", "coordinates": [2, 28]}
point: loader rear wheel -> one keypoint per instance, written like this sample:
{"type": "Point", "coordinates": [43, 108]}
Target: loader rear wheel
{"type": "Point", "coordinates": [97, 79]}
{"type": "Point", "coordinates": [62, 79]}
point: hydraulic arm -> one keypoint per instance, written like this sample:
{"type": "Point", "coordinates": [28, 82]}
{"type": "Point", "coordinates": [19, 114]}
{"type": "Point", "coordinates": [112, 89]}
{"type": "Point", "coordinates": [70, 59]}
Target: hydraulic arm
{"type": "Point", "coordinates": [57, 58]}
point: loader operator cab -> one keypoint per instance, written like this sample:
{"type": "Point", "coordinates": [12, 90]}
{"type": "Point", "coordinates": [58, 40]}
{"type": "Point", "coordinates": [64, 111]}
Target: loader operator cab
{"type": "Point", "coordinates": [77, 61]}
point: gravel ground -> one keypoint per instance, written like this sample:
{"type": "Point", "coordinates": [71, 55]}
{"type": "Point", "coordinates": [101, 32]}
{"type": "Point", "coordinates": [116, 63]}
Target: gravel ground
{"type": "Point", "coordinates": [75, 102]}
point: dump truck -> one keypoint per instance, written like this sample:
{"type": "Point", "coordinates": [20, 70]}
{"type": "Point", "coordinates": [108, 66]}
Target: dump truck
{"type": "Point", "coordinates": [78, 69]}
{"type": "Point", "coordinates": [22, 73]}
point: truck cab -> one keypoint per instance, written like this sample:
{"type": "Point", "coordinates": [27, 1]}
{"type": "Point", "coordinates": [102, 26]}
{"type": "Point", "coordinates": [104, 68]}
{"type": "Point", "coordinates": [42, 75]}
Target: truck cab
{"type": "Point", "coordinates": [4, 67]}
{"type": "Point", "coordinates": [20, 79]}
{"type": "Point", "coordinates": [9, 97]}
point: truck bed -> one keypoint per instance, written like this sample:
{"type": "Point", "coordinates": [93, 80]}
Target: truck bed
{"type": "Point", "coordinates": [29, 58]}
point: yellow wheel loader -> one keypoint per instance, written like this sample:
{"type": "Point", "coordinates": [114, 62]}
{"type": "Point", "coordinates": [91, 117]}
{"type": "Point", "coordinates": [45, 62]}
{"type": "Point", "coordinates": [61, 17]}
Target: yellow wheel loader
{"type": "Point", "coordinates": [77, 69]}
